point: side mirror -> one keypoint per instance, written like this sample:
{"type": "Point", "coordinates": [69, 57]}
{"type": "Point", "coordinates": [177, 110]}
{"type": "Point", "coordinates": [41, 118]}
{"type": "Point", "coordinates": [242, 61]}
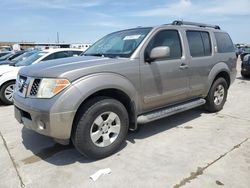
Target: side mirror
{"type": "Point", "coordinates": [159, 52]}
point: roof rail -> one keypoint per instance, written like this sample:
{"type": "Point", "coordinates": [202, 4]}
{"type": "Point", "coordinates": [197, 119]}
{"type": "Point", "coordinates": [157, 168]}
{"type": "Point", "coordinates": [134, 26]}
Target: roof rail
{"type": "Point", "coordinates": [178, 22]}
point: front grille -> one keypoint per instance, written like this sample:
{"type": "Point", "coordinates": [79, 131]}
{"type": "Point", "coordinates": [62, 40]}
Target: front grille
{"type": "Point", "coordinates": [35, 86]}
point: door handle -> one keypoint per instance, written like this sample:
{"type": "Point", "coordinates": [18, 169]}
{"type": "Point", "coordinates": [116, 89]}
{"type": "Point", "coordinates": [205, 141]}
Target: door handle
{"type": "Point", "coordinates": [183, 66]}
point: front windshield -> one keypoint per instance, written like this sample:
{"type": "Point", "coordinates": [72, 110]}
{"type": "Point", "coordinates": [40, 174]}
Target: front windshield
{"type": "Point", "coordinates": [5, 56]}
{"type": "Point", "coordinates": [118, 44]}
{"type": "Point", "coordinates": [29, 60]}
{"type": "Point", "coordinates": [23, 56]}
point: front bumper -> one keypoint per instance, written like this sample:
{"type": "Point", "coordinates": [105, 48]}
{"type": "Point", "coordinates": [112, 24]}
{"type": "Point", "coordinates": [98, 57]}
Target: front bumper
{"type": "Point", "coordinates": [51, 117]}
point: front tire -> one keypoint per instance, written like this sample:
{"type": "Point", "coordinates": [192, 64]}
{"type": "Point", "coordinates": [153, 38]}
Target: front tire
{"type": "Point", "coordinates": [217, 95]}
{"type": "Point", "coordinates": [6, 92]}
{"type": "Point", "coordinates": [101, 128]}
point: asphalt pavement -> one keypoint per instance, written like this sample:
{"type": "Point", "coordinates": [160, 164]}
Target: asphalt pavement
{"type": "Point", "coordinates": [191, 149]}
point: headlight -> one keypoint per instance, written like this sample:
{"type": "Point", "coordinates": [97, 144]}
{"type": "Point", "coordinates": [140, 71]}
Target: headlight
{"type": "Point", "coordinates": [50, 87]}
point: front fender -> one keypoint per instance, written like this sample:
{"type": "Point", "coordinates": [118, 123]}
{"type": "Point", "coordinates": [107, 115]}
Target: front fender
{"type": "Point", "coordinates": [7, 77]}
{"type": "Point", "coordinates": [96, 82]}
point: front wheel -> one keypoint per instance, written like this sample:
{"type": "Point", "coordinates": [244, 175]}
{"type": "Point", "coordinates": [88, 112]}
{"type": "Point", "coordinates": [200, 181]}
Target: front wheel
{"type": "Point", "coordinates": [217, 95]}
{"type": "Point", "coordinates": [6, 92]}
{"type": "Point", "coordinates": [101, 128]}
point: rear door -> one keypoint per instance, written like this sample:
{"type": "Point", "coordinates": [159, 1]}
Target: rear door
{"type": "Point", "coordinates": [201, 60]}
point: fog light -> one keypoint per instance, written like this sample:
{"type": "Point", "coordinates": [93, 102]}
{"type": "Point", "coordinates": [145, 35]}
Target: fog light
{"type": "Point", "coordinates": [41, 125]}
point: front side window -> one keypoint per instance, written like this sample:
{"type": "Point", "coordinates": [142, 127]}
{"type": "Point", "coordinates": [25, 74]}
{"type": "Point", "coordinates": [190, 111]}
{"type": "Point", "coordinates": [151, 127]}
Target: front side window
{"type": "Point", "coordinates": [74, 53]}
{"type": "Point", "coordinates": [59, 55]}
{"type": "Point", "coordinates": [199, 43]}
{"type": "Point", "coordinates": [168, 38]}
{"type": "Point", "coordinates": [118, 44]}
{"type": "Point", "coordinates": [49, 57]}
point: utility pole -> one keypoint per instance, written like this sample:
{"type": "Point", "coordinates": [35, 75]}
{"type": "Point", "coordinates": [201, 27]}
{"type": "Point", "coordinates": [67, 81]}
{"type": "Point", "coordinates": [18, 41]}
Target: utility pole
{"type": "Point", "coordinates": [57, 35]}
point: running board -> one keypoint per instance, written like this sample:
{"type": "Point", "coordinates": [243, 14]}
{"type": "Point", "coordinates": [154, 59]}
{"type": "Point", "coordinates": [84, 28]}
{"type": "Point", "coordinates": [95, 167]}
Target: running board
{"type": "Point", "coordinates": [165, 112]}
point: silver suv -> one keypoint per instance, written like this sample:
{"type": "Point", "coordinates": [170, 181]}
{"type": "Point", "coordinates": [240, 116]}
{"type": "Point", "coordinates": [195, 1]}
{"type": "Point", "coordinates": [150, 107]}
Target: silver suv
{"type": "Point", "coordinates": [127, 78]}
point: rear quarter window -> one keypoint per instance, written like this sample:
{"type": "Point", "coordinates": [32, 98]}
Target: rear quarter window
{"type": "Point", "coordinates": [224, 42]}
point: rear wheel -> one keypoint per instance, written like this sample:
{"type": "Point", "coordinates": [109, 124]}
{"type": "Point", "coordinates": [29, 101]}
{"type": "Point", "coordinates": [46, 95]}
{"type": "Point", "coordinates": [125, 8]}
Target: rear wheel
{"type": "Point", "coordinates": [101, 128]}
{"type": "Point", "coordinates": [217, 95]}
{"type": "Point", "coordinates": [6, 93]}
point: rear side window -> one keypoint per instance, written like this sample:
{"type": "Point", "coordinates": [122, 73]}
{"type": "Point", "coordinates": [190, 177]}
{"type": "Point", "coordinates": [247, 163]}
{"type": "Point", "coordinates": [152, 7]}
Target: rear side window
{"type": "Point", "coordinates": [224, 43]}
{"type": "Point", "coordinates": [199, 43]}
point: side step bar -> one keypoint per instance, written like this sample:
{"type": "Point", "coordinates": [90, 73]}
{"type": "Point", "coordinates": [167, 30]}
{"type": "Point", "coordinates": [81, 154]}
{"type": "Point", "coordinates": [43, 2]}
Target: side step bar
{"type": "Point", "coordinates": [165, 112]}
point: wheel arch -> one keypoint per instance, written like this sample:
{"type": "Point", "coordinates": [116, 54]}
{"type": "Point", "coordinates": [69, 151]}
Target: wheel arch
{"type": "Point", "coordinates": [219, 70]}
{"type": "Point", "coordinates": [109, 85]}
{"type": "Point", "coordinates": [6, 81]}
{"type": "Point", "coordinates": [115, 94]}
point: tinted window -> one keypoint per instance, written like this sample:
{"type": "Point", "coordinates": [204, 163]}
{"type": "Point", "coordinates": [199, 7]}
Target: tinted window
{"type": "Point", "coordinates": [206, 43]}
{"type": "Point", "coordinates": [168, 38]}
{"type": "Point", "coordinates": [49, 57]}
{"type": "Point", "coordinates": [57, 55]}
{"type": "Point", "coordinates": [61, 55]}
{"type": "Point", "coordinates": [224, 43]}
{"type": "Point", "coordinates": [14, 56]}
{"type": "Point", "coordinates": [199, 43]}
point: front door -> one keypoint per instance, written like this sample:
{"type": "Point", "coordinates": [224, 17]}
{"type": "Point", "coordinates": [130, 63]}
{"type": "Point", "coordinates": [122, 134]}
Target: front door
{"type": "Point", "coordinates": [164, 81]}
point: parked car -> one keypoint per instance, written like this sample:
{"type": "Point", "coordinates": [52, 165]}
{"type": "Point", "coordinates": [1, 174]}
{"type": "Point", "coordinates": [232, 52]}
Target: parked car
{"type": "Point", "coordinates": [245, 66]}
{"type": "Point", "coordinates": [127, 78]}
{"type": "Point", "coordinates": [5, 48]}
{"type": "Point", "coordinates": [244, 52]}
{"type": "Point", "coordinates": [11, 56]}
{"type": "Point", "coordinates": [4, 53]}
{"type": "Point", "coordinates": [18, 58]}
{"type": "Point", "coordinates": [8, 73]}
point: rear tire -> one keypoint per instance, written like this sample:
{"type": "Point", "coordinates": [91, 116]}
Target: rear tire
{"type": "Point", "coordinates": [6, 93]}
{"type": "Point", "coordinates": [217, 95]}
{"type": "Point", "coordinates": [101, 127]}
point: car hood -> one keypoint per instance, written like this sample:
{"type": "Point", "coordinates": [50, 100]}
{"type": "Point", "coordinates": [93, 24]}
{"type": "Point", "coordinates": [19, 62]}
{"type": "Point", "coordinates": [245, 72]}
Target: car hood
{"type": "Point", "coordinates": [6, 62]}
{"type": "Point", "coordinates": [72, 68]}
{"type": "Point", "coordinates": [6, 68]}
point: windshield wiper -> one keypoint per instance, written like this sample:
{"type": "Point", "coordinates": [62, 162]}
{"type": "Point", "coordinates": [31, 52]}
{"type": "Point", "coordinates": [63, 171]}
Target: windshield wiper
{"type": "Point", "coordinates": [96, 54]}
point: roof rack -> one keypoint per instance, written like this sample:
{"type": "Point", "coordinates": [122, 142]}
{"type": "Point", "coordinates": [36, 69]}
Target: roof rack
{"type": "Point", "coordinates": [177, 22]}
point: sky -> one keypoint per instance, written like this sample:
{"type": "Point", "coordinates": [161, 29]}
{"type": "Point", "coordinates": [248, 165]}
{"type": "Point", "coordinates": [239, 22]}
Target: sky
{"type": "Point", "coordinates": [85, 21]}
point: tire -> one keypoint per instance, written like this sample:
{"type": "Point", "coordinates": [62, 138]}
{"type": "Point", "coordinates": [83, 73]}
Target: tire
{"type": "Point", "coordinates": [217, 95]}
{"type": "Point", "coordinates": [245, 75]}
{"type": "Point", "coordinates": [6, 92]}
{"type": "Point", "coordinates": [101, 127]}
